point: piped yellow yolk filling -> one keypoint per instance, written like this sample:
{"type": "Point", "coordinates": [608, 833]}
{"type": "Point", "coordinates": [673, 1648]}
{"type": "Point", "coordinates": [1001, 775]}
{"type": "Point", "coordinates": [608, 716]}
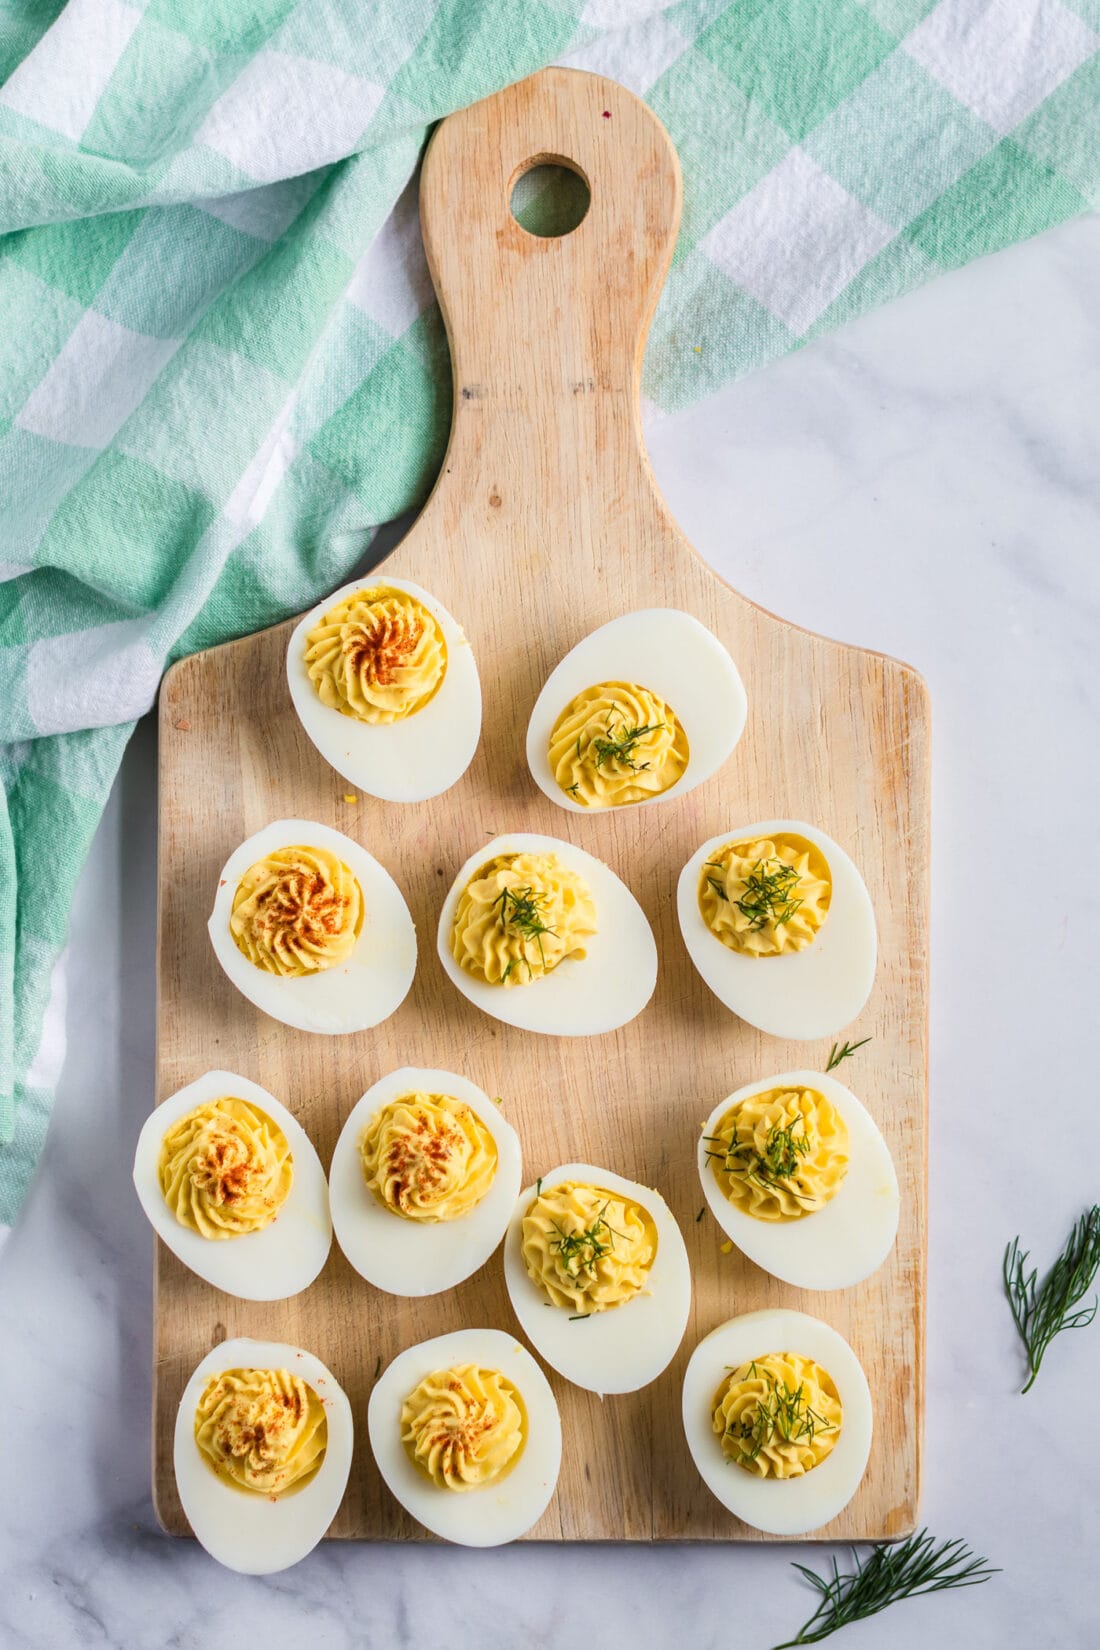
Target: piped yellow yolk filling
{"type": "Point", "coordinates": [617, 743]}
{"type": "Point", "coordinates": [767, 897]}
{"type": "Point", "coordinates": [297, 911]}
{"type": "Point", "coordinates": [263, 1430]}
{"type": "Point", "coordinates": [780, 1154]}
{"type": "Point", "coordinates": [464, 1427]}
{"type": "Point", "coordinates": [225, 1168]}
{"type": "Point", "coordinates": [519, 916]}
{"type": "Point", "coordinates": [779, 1416]}
{"type": "Point", "coordinates": [586, 1248]}
{"type": "Point", "coordinates": [428, 1157]}
{"type": "Point", "coordinates": [378, 656]}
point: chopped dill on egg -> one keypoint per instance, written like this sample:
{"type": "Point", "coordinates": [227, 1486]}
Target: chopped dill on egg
{"type": "Point", "coordinates": [778, 1162]}
{"type": "Point", "coordinates": [519, 909]}
{"type": "Point", "coordinates": [612, 746]}
{"type": "Point", "coordinates": [781, 1411]}
{"type": "Point", "coordinates": [768, 895]}
{"type": "Point", "coordinates": [577, 1252]}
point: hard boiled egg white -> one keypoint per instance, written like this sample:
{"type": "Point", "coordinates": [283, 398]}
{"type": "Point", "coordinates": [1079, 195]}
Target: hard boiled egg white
{"type": "Point", "coordinates": [581, 997]}
{"type": "Point", "coordinates": [626, 1346]}
{"type": "Point", "coordinates": [414, 1257]}
{"type": "Point", "coordinates": [354, 995]}
{"type": "Point", "coordinates": [284, 1257]}
{"type": "Point", "coordinates": [788, 1506]}
{"type": "Point", "coordinates": [494, 1513]}
{"type": "Point", "coordinates": [804, 994]}
{"type": "Point", "coordinates": [406, 761]}
{"type": "Point", "coordinates": [258, 1534]}
{"type": "Point", "coordinates": [840, 1244]}
{"type": "Point", "coordinates": [674, 656]}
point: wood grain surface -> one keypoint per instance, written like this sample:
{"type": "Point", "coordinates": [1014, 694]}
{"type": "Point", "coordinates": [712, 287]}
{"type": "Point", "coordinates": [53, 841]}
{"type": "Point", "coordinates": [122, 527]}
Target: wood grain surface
{"type": "Point", "coordinates": [545, 523]}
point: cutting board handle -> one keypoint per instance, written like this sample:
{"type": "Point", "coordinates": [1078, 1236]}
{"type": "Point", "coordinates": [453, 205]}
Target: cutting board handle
{"type": "Point", "coordinates": [534, 322]}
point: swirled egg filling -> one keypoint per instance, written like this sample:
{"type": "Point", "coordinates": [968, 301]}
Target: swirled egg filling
{"type": "Point", "coordinates": [225, 1168]}
{"type": "Point", "coordinates": [378, 656]}
{"type": "Point", "coordinates": [427, 1157]}
{"type": "Point", "coordinates": [778, 1416]}
{"type": "Point", "coordinates": [586, 1248]}
{"type": "Point", "coordinates": [779, 1154]}
{"type": "Point", "coordinates": [617, 743]}
{"type": "Point", "coordinates": [519, 916]}
{"type": "Point", "coordinates": [464, 1427]}
{"type": "Point", "coordinates": [262, 1430]}
{"type": "Point", "coordinates": [299, 910]}
{"type": "Point", "coordinates": [767, 897]}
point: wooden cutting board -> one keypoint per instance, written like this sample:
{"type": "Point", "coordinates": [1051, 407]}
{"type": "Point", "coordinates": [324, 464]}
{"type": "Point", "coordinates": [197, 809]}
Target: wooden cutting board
{"type": "Point", "coordinates": [545, 523]}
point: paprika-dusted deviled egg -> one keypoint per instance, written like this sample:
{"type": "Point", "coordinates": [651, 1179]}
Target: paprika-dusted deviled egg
{"type": "Point", "coordinates": [262, 1453]}
{"type": "Point", "coordinates": [796, 1172]}
{"type": "Point", "coordinates": [233, 1185]}
{"type": "Point", "coordinates": [543, 936]}
{"type": "Point", "coordinates": [598, 1276]}
{"type": "Point", "coordinates": [777, 1413]}
{"type": "Point", "coordinates": [423, 1181]}
{"type": "Point", "coordinates": [385, 684]}
{"type": "Point", "coordinates": [645, 707]}
{"type": "Point", "coordinates": [312, 929]}
{"type": "Point", "coordinates": [466, 1434]}
{"type": "Point", "coordinates": [779, 923]}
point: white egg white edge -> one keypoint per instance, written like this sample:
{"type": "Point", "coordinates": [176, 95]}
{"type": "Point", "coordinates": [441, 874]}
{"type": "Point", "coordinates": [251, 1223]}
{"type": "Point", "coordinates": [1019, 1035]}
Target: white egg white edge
{"type": "Point", "coordinates": [269, 1265]}
{"type": "Point", "coordinates": [569, 1002]}
{"type": "Point", "coordinates": [708, 697]}
{"type": "Point", "coordinates": [496, 1513]}
{"type": "Point", "coordinates": [836, 1246]}
{"type": "Point", "coordinates": [407, 761]}
{"type": "Point", "coordinates": [413, 1257]}
{"type": "Point", "coordinates": [254, 1534]}
{"type": "Point", "coordinates": [628, 1346]}
{"type": "Point", "coordinates": [779, 1506]}
{"type": "Point", "coordinates": [353, 996]}
{"type": "Point", "coordinates": [801, 995]}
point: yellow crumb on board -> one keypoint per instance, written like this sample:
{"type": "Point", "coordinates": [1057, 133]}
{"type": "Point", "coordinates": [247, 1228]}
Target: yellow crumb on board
{"type": "Point", "coordinates": [350, 796]}
{"type": "Point", "coordinates": [727, 1248]}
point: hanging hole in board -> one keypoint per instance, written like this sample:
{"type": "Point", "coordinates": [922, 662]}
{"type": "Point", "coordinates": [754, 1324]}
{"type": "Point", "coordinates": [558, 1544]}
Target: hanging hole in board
{"type": "Point", "coordinates": [550, 197]}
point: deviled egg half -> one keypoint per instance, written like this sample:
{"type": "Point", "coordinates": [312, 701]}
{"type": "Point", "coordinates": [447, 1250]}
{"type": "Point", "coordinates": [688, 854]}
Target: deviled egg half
{"type": "Point", "coordinates": [385, 685]}
{"type": "Point", "coordinates": [466, 1434]}
{"type": "Point", "coordinates": [232, 1184]}
{"type": "Point", "coordinates": [777, 1413]}
{"type": "Point", "coordinates": [598, 1276]}
{"type": "Point", "coordinates": [778, 922]}
{"type": "Point", "coordinates": [262, 1453]}
{"type": "Point", "coordinates": [543, 936]}
{"type": "Point", "coordinates": [646, 707]}
{"type": "Point", "coordinates": [312, 930]}
{"type": "Point", "coordinates": [796, 1172]}
{"type": "Point", "coordinates": [423, 1181]}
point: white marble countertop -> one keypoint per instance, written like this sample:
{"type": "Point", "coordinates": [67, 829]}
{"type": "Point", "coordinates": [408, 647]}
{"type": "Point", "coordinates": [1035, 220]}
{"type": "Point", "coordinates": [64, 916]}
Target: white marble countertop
{"type": "Point", "coordinates": [926, 482]}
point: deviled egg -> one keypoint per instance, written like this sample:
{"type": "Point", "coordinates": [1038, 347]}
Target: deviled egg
{"type": "Point", "coordinates": [598, 1276]}
{"type": "Point", "coordinates": [779, 924]}
{"type": "Point", "coordinates": [312, 930]}
{"type": "Point", "coordinates": [466, 1434]}
{"type": "Point", "coordinates": [543, 936]}
{"type": "Point", "coordinates": [232, 1184]}
{"type": "Point", "coordinates": [262, 1453]}
{"type": "Point", "coordinates": [796, 1172]}
{"type": "Point", "coordinates": [423, 1181]}
{"type": "Point", "coordinates": [385, 685]}
{"type": "Point", "coordinates": [646, 707]}
{"type": "Point", "coordinates": [777, 1413]}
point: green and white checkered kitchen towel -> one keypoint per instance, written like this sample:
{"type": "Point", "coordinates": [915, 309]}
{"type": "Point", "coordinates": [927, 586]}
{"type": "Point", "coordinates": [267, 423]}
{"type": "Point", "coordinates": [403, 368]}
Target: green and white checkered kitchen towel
{"type": "Point", "coordinates": [220, 363]}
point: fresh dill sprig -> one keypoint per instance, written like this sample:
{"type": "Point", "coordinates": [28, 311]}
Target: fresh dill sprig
{"type": "Point", "coordinates": [920, 1565]}
{"type": "Point", "coordinates": [612, 747]}
{"type": "Point", "coordinates": [768, 895]}
{"type": "Point", "coordinates": [779, 1161]}
{"type": "Point", "coordinates": [578, 1252]}
{"type": "Point", "coordinates": [1042, 1310]}
{"type": "Point", "coordinates": [519, 909]}
{"type": "Point", "coordinates": [782, 1410]}
{"type": "Point", "coordinates": [838, 1053]}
